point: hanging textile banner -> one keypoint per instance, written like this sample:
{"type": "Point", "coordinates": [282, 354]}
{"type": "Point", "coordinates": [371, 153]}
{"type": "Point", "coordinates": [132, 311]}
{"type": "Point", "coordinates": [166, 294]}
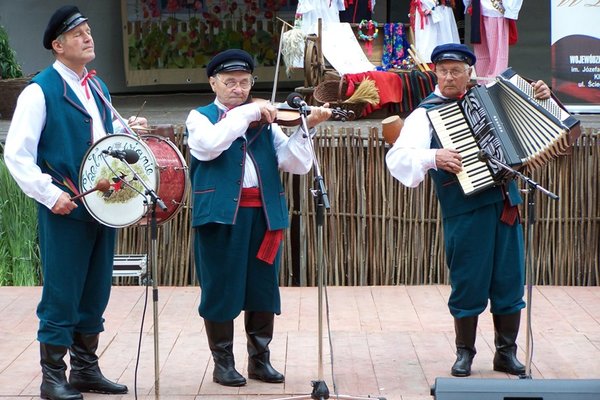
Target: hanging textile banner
{"type": "Point", "coordinates": [576, 53]}
{"type": "Point", "coordinates": [170, 42]}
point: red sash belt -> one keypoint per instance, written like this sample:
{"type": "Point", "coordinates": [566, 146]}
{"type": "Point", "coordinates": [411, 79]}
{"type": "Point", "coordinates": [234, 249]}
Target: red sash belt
{"type": "Point", "coordinates": [510, 214]}
{"type": "Point", "coordinates": [272, 239]}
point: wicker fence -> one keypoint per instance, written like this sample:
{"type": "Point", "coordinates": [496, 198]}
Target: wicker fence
{"type": "Point", "coordinates": [378, 232]}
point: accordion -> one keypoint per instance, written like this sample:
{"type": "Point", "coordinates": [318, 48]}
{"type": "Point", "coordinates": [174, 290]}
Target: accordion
{"type": "Point", "coordinates": [506, 121]}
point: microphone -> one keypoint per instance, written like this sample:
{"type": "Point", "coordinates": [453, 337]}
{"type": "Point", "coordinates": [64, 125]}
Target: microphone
{"type": "Point", "coordinates": [483, 155]}
{"type": "Point", "coordinates": [127, 155]}
{"type": "Point", "coordinates": [295, 100]}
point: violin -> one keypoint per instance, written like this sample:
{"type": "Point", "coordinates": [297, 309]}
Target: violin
{"type": "Point", "coordinates": [288, 116]}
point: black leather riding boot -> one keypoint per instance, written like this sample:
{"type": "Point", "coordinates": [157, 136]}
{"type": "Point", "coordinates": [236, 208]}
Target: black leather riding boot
{"type": "Point", "coordinates": [220, 342]}
{"type": "Point", "coordinates": [259, 332]}
{"type": "Point", "coordinates": [54, 381]}
{"type": "Point", "coordinates": [85, 373]}
{"type": "Point", "coordinates": [466, 332]}
{"type": "Point", "coordinates": [506, 329]}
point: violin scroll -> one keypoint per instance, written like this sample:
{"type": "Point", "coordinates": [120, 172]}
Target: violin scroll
{"type": "Point", "coordinates": [339, 114]}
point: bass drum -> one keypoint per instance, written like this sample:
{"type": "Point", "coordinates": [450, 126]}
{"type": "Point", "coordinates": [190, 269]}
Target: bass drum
{"type": "Point", "coordinates": [172, 176]}
{"type": "Point", "coordinates": [160, 166]}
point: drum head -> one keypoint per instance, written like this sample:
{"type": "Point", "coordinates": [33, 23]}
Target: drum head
{"type": "Point", "coordinates": [125, 202]}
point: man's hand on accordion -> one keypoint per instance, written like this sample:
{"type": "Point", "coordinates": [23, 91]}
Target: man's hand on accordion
{"type": "Point", "coordinates": [541, 90]}
{"type": "Point", "coordinates": [449, 160]}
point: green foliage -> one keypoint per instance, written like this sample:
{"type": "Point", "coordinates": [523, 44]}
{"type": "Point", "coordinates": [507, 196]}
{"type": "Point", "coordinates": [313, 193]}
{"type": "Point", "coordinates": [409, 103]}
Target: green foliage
{"type": "Point", "coordinates": [167, 42]}
{"type": "Point", "coordinates": [19, 249]}
{"type": "Point", "coordinates": [9, 67]}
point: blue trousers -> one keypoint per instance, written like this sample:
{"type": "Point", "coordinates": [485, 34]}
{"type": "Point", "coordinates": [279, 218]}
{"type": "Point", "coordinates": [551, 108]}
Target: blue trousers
{"type": "Point", "coordinates": [486, 261]}
{"type": "Point", "coordinates": [231, 278]}
{"type": "Point", "coordinates": [77, 263]}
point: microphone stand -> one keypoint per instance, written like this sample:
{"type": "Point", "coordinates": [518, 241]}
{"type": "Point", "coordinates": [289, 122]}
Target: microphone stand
{"type": "Point", "coordinates": [155, 200]}
{"type": "Point", "coordinates": [153, 257]}
{"type": "Point", "coordinates": [319, 193]}
{"type": "Point", "coordinates": [532, 186]}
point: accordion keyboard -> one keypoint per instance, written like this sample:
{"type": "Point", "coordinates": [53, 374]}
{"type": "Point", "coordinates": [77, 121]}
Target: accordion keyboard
{"type": "Point", "coordinates": [453, 132]}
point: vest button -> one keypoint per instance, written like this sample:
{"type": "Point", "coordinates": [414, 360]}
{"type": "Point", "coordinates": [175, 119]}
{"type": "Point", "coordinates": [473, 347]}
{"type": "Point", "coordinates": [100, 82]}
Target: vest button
{"type": "Point", "coordinates": [235, 199]}
{"type": "Point", "coordinates": [87, 120]}
{"type": "Point", "coordinates": [89, 143]}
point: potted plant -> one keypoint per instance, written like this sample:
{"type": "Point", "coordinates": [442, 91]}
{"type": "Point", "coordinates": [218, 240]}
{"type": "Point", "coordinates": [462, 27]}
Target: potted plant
{"type": "Point", "coordinates": [11, 77]}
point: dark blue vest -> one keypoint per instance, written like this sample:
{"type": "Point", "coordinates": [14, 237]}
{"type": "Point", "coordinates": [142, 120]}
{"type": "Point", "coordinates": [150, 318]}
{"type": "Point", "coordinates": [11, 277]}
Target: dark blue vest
{"type": "Point", "coordinates": [217, 184]}
{"type": "Point", "coordinates": [452, 200]}
{"type": "Point", "coordinates": [68, 133]}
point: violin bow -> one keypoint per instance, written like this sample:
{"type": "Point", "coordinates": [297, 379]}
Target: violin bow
{"type": "Point", "coordinates": [276, 78]}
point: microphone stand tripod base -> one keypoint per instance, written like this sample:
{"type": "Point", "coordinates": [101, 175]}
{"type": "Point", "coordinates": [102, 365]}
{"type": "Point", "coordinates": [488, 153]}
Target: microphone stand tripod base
{"type": "Point", "coordinates": [321, 391]}
{"type": "Point", "coordinates": [319, 193]}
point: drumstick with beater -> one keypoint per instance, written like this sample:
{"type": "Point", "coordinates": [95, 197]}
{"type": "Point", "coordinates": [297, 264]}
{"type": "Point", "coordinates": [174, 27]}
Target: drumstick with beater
{"type": "Point", "coordinates": [110, 106]}
{"type": "Point", "coordinates": [103, 185]}
{"type": "Point", "coordinates": [131, 120]}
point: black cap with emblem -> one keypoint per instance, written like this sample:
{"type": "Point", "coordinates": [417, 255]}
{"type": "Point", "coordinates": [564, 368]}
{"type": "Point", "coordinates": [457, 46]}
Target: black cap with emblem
{"type": "Point", "coordinates": [453, 52]}
{"type": "Point", "coordinates": [63, 20]}
{"type": "Point", "coordinates": [230, 60]}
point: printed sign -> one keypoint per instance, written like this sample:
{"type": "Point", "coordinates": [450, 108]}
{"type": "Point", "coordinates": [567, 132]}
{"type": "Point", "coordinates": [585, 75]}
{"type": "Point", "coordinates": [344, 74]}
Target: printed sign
{"type": "Point", "coordinates": [576, 53]}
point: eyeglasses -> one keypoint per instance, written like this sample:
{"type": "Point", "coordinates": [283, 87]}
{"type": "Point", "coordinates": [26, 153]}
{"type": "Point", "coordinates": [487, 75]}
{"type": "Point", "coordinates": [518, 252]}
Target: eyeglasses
{"type": "Point", "coordinates": [232, 83]}
{"type": "Point", "coordinates": [454, 72]}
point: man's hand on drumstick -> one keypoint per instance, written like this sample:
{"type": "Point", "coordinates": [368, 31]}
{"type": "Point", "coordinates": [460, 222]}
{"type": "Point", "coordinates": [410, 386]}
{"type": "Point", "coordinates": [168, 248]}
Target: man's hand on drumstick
{"type": "Point", "coordinates": [138, 124]}
{"type": "Point", "coordinates": [64, 205]}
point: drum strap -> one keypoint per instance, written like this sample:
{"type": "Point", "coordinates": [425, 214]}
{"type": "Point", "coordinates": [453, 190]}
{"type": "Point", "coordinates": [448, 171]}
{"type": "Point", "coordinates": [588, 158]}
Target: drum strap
{"type": "Point", "coordinates": [272, 239]}
{"type": "Point", "coordinates": [84, 82]}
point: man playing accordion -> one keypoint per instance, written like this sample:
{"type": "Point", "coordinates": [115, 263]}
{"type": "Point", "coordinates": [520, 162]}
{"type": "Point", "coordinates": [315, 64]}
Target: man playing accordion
{"type": "Point", "coordinates": [482, 234]}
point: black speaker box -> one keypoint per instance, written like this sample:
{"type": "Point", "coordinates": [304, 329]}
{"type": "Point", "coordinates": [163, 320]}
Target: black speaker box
{"type": "Point", "coordinates": [515, 389]}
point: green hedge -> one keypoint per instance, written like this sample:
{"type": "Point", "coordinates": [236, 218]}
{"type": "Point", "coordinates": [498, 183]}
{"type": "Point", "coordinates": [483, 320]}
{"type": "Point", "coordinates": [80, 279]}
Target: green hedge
{"type": "Point", "coordinates": [19, 250]}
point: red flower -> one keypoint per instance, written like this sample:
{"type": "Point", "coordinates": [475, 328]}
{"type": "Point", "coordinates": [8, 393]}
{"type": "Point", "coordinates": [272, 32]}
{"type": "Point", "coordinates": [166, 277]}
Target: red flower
{"type": "Point", "coordinates": [172, 5]}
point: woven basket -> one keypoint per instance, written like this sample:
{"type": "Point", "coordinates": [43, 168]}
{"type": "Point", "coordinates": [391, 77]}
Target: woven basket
{"type": "Point", "coordinates": [10, 89]}
{"type": "Point", "coordinates": [334, 93]}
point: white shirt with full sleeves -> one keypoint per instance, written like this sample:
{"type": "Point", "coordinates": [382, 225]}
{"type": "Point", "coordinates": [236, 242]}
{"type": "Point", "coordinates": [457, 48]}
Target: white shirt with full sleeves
{"type": "Point", "coordinates": [411, 156]}
{"type": "Point", "coordinates": [207, 140]}
{"type": "Point", "coordinates": [20, 152]}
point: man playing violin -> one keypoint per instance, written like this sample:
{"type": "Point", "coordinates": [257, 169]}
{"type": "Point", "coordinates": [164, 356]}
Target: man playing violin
{"type": "Point", "coordinates": [240, 212]}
